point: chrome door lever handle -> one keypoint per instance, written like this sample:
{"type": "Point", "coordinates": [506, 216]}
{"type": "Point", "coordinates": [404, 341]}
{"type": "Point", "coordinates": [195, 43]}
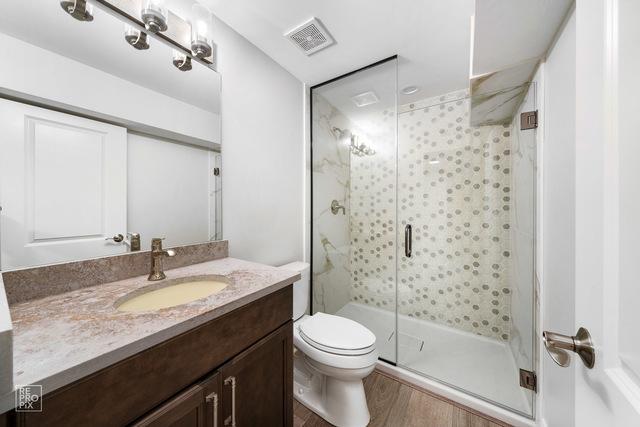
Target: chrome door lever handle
{"type": "Point", "coordinates": [558, 346]}
{"type": "Point", "coordinates": [117, 238]}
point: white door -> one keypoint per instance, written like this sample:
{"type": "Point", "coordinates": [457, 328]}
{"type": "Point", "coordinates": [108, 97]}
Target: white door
{"type": "Point", "coordinates": [607, 210]}
{"type": "Point", "coordinates": [63, 186]}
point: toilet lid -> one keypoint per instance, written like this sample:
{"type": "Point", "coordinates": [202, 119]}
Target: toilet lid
{"type": "Point", "coordinates": [338, 335]}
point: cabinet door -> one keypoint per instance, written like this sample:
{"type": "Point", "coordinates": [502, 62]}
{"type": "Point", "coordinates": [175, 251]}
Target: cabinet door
{"type": "Point", "coordinates": [196, 407]}
{"type": "Point", "coordinates": [184, 410]}
{"type": "Point", "coordinates": [258, 383]}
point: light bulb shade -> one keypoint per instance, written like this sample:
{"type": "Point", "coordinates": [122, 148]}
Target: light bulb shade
{"type": "Point", "coordinates": [155, 15]}
{"type": "Point", "coordinates": [201, 45]}
{"type": "Point", "coordinates": [79, 9]}
{"type": "Point", "coordinates": [181, 61]}
{"type": "Point", "coordinates": [136, 38]}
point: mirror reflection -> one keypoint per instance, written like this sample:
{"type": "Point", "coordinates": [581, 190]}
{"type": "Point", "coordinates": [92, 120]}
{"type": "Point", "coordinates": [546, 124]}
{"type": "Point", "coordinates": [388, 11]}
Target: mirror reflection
{"type": "Point", "coordinates": [110, 137]}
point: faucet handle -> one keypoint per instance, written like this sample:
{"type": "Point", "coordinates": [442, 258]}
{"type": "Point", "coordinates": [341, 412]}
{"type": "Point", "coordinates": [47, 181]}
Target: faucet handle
{"type": "Point", "coordinates": [156, 243]}
{"type": "Point", "coordinates": [133, 241]}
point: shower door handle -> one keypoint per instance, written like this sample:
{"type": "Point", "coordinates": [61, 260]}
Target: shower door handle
{"type": "Point", "coordinates": [407, 241]}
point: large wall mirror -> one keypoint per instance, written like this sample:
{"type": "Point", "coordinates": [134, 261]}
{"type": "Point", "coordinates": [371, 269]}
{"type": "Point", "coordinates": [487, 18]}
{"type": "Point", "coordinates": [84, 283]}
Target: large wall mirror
{"type": "Point", "coordinates": [101, 142]}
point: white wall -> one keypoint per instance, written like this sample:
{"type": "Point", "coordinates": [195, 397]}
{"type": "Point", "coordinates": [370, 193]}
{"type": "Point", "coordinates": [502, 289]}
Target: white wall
{"type": "Point", "coordinates": [169, 191]}
{"type": "Point", "coordinates": [263, 152]}
{"type": "Point", "coordinates": [558, 277]}
{"type": "Point", "coordinates": [39, 75]}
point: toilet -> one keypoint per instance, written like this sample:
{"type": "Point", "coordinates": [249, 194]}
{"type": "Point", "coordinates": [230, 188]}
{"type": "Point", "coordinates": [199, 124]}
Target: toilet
{"type": "Point", "coordinates": [332, 355]}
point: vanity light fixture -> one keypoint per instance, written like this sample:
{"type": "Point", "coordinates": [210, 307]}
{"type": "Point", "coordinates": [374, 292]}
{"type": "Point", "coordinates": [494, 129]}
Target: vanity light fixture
{"type": "Point", "coordinates": [155, 15]}
{"type": "Point", "coordinates": [181, 61]}
{"type": "Point", "coordinates": [79, 9]}
{"type": "Point", "coordinates": [200, 23]}
{"type": "Point", "coordinates": [135, 37]}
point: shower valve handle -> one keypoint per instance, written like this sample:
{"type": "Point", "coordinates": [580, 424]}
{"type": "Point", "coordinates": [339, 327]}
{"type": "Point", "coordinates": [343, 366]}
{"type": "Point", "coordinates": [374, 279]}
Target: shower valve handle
{"type": "Point", "coordinates": [407, 240]}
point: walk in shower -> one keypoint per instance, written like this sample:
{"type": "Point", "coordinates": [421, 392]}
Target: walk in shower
{"type": "Point", "coordinates": [423, 227]}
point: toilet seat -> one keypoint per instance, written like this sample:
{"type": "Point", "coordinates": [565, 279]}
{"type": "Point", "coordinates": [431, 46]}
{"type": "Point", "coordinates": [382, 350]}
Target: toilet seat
{"type": "Point", "coordinates": [337, 335]}
{"type": "Point", "coordinates": [325, 381]}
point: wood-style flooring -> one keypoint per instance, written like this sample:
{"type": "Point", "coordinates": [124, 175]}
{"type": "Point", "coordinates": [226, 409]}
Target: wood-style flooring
{"type": "Point", "coordinates": [395, 404]}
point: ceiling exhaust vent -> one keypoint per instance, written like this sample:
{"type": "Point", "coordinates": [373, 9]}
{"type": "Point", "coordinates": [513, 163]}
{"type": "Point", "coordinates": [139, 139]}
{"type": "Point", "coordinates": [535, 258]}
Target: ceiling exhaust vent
{"type": "Point", "coordinates": [364, 99]}
{"type": "Point", "coordinates": [310, 37]}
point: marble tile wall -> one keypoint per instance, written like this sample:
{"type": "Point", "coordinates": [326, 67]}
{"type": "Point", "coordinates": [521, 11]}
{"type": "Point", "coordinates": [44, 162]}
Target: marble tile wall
{"type": "Point", "coordinates": [496, 96]}
{"type": "Point", "coordinates": [522, 235]}
{"type": "Point", "coordinates": [330, 233]}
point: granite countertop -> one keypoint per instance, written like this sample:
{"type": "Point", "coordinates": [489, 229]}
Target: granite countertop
{"type": "Point", "coordinates": [62, 338]}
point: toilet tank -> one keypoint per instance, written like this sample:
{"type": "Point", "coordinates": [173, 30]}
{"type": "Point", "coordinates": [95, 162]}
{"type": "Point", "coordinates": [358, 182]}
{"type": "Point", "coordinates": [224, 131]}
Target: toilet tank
{"type": "Point", "coordinates": [301, 288]}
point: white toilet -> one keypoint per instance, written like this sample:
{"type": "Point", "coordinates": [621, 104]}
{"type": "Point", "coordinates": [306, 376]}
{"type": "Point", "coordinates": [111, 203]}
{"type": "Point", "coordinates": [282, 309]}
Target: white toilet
{"type": "Point", "coordinates": [332, 356]}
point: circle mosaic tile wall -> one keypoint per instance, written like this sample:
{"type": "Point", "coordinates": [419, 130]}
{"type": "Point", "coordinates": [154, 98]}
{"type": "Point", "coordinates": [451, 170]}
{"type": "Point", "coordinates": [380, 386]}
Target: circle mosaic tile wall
{"type": "Point", "coordinates": [453, 187]}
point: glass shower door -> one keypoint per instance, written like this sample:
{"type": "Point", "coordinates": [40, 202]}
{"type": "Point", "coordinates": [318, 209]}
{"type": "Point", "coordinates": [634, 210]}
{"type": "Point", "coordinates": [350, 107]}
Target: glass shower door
{"type": "Point", "coordinates": [465, 292]}
{"type": "Point", "coordinates": [353, 177]}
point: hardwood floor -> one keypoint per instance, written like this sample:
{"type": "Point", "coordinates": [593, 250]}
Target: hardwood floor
{"type": "Point", "coordinates": [395, 404]}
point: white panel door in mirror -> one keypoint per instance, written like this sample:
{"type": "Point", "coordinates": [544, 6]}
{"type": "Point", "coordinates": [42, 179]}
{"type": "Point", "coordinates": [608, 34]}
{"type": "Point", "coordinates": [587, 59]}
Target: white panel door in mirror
{"type": "Point", "coordinates": [67, 175]}
{"type": "Point", "coordinates": [62, 186]}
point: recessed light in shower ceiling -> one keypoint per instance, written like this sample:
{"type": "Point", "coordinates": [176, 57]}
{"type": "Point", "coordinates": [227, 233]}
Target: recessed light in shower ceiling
{"type": "Point", "coordinates": [410, 90]}
{"type": "Point", "coordinates": [364, 99]}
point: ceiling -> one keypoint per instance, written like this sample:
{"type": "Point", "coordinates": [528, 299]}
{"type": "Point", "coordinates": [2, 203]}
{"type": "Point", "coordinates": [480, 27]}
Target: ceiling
{"type": "Point", "coordinates": [100, 44]}
{"type": "Point", "coordinates": [431, 37]}
{"type": "Point", "coordinates": [509, 32]}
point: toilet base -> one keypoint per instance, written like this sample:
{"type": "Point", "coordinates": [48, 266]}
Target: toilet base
{"type": "Point", "coordinates": [341, 402]}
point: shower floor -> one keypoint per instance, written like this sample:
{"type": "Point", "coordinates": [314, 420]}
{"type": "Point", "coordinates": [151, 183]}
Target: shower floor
{"type": "Point", "coordinates": [479, 365]}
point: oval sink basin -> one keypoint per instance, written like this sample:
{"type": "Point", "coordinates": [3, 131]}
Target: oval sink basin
{"type": "Point", "coordinates": [171, 293]}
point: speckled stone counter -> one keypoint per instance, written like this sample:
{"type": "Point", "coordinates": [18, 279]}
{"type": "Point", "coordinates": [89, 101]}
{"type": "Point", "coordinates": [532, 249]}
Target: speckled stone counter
{"type": "Point", "coordinates": [62, 338]}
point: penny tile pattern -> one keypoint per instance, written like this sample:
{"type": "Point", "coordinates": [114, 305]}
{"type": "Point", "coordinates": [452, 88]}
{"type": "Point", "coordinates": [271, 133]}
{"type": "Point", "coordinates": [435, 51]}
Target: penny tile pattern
{"type": "Point", "coordinates": [452, 183]}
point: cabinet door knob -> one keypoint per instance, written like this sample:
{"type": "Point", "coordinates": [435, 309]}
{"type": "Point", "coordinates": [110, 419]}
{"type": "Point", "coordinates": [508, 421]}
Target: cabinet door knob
{"type": "Point", "coordinates": [231, 420]}
{"type": "Point", "coordinates": [212, 401]}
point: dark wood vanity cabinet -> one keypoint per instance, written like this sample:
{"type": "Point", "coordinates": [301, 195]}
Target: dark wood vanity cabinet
{"type": "Point", "coordinates": [195, 407]}
{"type": "Point", "coordinates": [254, 388]}
{"type": "Point", "coordinates": [258, 384]}
{"type": "Point", "coordinates": [238, 367]}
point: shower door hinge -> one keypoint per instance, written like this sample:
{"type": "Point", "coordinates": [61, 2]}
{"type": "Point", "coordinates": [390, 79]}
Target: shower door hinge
{"type": "Point", "coordinates": [529, 120]}
{"type": "Point", "coordinates": [529, 380]}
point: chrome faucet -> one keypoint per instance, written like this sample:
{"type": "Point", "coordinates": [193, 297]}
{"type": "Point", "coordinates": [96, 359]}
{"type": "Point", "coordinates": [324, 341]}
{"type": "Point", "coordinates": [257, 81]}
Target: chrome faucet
{"type": "Point", "coordinates": [157, 254]}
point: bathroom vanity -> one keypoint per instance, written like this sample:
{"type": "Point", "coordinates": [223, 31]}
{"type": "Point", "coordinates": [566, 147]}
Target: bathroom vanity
{"type": "Point", "coordinates": [237, 367]}
{"type": "Point", "coordinates": [221, 360]}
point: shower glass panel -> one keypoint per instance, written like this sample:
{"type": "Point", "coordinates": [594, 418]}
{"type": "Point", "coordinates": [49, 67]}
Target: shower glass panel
{"type": "Point", "coordinates": [452, 173]}
{"type": "Point", "coordinates": [466, 187]}
{"type": "Point", "coordinates": [354, 200]}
